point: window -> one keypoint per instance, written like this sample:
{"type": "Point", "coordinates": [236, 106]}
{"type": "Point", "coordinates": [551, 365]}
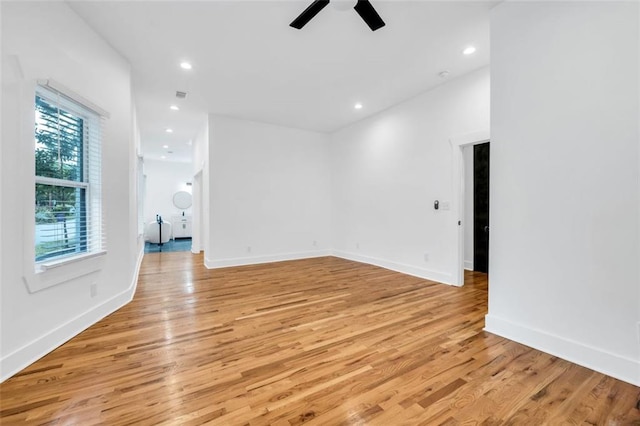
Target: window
{"type": "Point", "coordinates": [68, 199]}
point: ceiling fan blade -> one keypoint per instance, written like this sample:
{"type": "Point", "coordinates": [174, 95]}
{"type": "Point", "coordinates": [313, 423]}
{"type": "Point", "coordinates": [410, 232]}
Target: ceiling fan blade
{"type": "Point", "coordinates": [369, 14]}
{"type": "Point", "coordinates": [309, 13]}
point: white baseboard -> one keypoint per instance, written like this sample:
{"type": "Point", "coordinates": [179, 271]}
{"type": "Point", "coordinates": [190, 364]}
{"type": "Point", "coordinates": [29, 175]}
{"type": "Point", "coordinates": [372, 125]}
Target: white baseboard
{"type": "Point", "coordinates": [394, 266]}
{"type": "Point", "coordinates": [468, 265]}
{"type": "Point", "coordinates": [254, 260]}
{"type": "Point", "coordinates": [415, 271]}
{"type": "Point", "coordinates": [31, 352]}
{"type": "Point", "coordinates": [619, 367]}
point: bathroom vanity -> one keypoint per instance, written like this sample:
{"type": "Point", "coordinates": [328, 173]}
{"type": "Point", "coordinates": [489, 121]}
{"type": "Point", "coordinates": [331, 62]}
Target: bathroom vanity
{"type": "Point", "coordinates": [181, 226]}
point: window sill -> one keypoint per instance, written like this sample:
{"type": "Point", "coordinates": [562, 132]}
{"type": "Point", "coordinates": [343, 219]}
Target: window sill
{"type": "Point", "coordinates": [46, 266]}
{"type": "Point", "coordinates": [55, 272]}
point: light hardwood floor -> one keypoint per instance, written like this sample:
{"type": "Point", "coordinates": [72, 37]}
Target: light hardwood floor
{"type": "Point", "coordinates": [320, 341]}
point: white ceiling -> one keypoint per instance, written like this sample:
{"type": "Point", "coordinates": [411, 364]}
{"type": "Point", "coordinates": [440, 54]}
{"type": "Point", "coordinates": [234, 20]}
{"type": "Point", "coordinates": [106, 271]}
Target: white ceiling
{"type": "Point", "coordinates": [248, 63]}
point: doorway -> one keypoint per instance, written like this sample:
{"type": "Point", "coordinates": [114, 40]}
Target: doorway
{"type": "Point", "coordinates": [481, 162]}
{"type": "Point", "coordinates": [461, 205]}
{"type": "Point", "coordinates": [198, 214]}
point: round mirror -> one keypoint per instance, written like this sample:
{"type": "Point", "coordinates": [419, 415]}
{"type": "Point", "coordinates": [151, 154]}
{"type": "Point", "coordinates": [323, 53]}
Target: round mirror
{"type": "Point", "coordinates": [182, 200]}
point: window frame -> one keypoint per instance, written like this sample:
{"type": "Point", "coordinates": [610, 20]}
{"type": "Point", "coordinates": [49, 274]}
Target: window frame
{"type": "Point", "coordinates": [55, 99]}
{"type": "Point", "coordinates": [39, 275]}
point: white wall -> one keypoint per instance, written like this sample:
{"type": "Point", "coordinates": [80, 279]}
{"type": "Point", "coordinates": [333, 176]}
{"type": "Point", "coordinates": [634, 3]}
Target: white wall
{"type": "Point", "coordinates": [388, 170]}
{"type": "Point", "coordinates": [163, 179]}
{"type": "Point", "coordinates": [565, 181]}
{"type": "Point", "coordinates": [48, 40]}
{"type": "Point", "coordinates": [2, 237]}
{"type": "Point", "coordinates": [467, 153]}
{"type": "Point", "coordinates": [269, 190]}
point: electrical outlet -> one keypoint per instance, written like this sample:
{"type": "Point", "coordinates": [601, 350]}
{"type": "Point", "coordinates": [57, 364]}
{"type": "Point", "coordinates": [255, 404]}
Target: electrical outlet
{"type": "Point", "coordinates": [93, 289]}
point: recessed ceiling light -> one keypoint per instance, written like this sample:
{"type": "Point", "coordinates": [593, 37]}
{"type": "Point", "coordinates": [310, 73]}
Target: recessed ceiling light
{"type": "Point", "coordinates": [163, 156]}
{"type": "Point", "coordinates": [469, 50]}
{"type": "Point", "coordinates": [174, 108]}
{"type": "Point", "coordinates": [165, 146]}
{"type": "Point", "coordinates": [169, 130]}
{"type": "Point", "coordinates": [358, 106]}
{"type": "Point", "coordinates": [185, 65]}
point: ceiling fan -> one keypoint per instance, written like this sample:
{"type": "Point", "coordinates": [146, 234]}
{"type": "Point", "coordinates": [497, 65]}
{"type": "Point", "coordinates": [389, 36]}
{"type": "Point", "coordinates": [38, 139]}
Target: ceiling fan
{"type": "Point", "coordinates": [363, 7]}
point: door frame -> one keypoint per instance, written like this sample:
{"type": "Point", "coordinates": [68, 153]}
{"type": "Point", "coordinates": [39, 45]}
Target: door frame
{"type": "Point", "coordinates": [458, 143]}
{"type": "Point", "coordinates": [197, 215]}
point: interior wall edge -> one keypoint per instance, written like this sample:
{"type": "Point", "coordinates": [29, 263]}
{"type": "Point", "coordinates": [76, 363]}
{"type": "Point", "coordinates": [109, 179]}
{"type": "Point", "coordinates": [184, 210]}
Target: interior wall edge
{"type": "Point", "coordinates": [427, 274]}
{"type": "Point", "coordinates": [436, 276]}
{"type": "Point", "coordinates": [616, 366]}
{"type": "Point", "coordinates": [256, 260]}
{"type": "Point", "coordinates": [41, 346]}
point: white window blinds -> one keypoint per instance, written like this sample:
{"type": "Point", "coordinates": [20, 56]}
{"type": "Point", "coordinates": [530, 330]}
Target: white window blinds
{"type": "Point", "coordinates": [69, 219]}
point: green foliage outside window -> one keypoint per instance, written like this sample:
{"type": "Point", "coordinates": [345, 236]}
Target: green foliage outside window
{"type": "Point", "coordinates": [60, 211]}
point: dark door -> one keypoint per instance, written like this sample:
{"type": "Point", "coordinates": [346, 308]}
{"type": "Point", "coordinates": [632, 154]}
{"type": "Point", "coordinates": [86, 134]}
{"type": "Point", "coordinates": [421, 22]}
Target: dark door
{"type": "Point", "coordinates": [481, 207]}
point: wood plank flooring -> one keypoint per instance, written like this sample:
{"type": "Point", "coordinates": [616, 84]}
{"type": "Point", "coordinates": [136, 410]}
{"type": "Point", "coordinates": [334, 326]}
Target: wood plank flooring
{"type": "Point", "coordinates": [320, 341]}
